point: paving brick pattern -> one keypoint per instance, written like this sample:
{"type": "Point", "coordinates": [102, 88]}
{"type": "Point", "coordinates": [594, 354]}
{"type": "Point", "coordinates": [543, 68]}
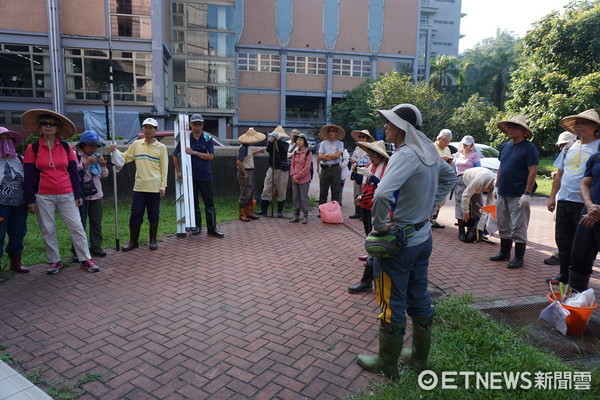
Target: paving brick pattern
{"type": "Point", "coordinates": [262, 314]}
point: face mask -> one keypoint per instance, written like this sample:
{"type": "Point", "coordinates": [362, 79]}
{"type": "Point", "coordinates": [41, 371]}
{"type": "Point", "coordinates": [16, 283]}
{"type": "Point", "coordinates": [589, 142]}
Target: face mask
{"type": "Point", "coordinates": [7, 148]}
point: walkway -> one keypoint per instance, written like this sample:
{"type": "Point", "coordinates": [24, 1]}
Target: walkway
{"type": "Point", "coordinates": [262, 314]}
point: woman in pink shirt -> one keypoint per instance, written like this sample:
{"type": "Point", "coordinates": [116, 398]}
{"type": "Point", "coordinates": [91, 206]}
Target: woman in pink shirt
{"type": "Point", "coordinates": [52, 183]}
{"type": "Point", "coordinates": [466, 157]}
{"type": "Point", "coordinates": [301, 177]}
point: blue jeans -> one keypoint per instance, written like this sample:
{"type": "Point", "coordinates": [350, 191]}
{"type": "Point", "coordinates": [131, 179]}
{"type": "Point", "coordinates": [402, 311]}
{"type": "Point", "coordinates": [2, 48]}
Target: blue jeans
{"type": "Point", "coordinates": [401, 283]}
{"type": "Point", "coordinates": [14, 222]}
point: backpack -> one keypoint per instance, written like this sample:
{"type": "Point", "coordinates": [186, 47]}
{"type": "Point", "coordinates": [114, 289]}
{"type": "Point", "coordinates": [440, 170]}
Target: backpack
{"type": "Point", "coordinates": [312, 170]}
{"type": "Point", "coordinates": [35, 146]}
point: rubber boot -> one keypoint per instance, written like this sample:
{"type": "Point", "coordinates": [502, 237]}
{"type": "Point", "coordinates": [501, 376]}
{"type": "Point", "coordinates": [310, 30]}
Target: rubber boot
{"type": "Point", "coordinates": [243, 213]}
{"type": "Point", "coordinates": [305, 218]}
{"type": "Point", "coordinates": [264, 206]}
{"type": "Point", "coordinates": [357, 213]}
{"type": "Point", "coordinates": [517, 262]}
{"type": "Point", "coordinates": [462, 236]}
{"type": "Point", "coordinates": [505, 246]}
{"type": "Point", "coordinates": [153, 232]}
{"type": "Point", "coordinates": [391, 337]}
{"type": "Point", "coordinates": [15, 264]}
{"type": "Point", "coordinates": [134, 235]}
{"type": "Point", "coordinates": [211, 223]}
{"type": "Point", "coordinates": [296, 217]}
{"type": "Point", "coordinates": [418, 353]}
{"type": "Point", "coordinates": [579, 280]}
{"type": "Point", "coordinates": [250, 212]}
{"type": "Point", "coordinates": [366, 282]}
{"type": "Point", "coordinates": [280, 205]}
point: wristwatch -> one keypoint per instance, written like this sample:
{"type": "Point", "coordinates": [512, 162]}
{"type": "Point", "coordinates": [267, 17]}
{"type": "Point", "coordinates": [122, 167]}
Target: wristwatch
{"type": "Point", "coordinates": [197, 154]}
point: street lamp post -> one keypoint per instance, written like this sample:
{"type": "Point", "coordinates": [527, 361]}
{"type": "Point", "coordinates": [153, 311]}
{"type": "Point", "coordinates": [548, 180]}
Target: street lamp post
{"type": "Point", "coordinates": [105, 95]}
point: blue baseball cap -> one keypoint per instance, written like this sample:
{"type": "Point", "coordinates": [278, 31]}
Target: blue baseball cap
{"type": "Point", "coordinates": [196, 118]}
{"type": "Point", "coordinates": [91, 138]}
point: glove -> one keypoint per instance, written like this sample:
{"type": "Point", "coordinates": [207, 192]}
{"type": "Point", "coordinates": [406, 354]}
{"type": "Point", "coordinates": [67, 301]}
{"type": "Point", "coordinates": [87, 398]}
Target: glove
{"type": "Point", "coordinates": [273, 136]}
{"type": "Point", "coordinates": [363, 171]}
{"type": "Point", "coordinates": [524, 200]}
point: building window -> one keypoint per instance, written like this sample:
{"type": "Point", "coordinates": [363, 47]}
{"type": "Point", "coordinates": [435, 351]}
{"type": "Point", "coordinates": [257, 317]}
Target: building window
{"type": "Point", "coordinates": [306, 65]}
{"type": "Point", "coordinates": [443, 22]}
{"type": "Point", "coordinates": [442, 44]}
{"type": "Point", "coordinates": [130, 18]}
{"type": "Point", "coordinates": [25, 71]}
{"type": "Point", "coordinates": [259, 62]}
{"type": "Point", "coordinates": [87, 69]}
{"type": "Point", "coordinates": [351, 67]}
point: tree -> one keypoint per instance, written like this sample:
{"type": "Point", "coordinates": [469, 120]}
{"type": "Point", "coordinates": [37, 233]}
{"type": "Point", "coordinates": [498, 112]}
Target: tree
{"type": "Point", "coordinates": [392, 89]}
{"type": "Point", "coordinates": [353, 112]}
{"type": "Point", "coordinates": [489, 66]}
{"type": "Point", "coordinates": [558, 74]}
{"type": "Point", "coordinates": [445, 71]}
{"type": "Point", "coordinates": [471, 119]}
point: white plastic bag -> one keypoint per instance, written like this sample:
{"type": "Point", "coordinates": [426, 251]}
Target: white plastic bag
{"type": "Point", "coordinates": [583, 299]}
{"type": "Point", "coordinates": [556, 315]}
{"type": "Point", "coordinates": [117, 160]}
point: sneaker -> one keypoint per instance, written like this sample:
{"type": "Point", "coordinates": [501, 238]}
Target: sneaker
{"type": "Point", "coordinates": [89, 266]}
{"type": "Point", "coordinates": [552, 260]}
{"type": "Point", "coordinates": [435, 224]}
{"type": "Point", "coordinates": [54, 268]}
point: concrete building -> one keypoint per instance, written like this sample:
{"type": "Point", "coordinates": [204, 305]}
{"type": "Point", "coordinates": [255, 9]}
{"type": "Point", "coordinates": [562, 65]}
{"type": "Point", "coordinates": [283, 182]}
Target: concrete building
{"type": "Point", "coordinates": [240, 63]}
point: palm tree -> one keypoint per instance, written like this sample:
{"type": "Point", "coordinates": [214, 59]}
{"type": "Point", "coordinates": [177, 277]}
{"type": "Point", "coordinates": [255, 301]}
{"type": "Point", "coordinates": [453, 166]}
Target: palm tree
{"type": "Point", "coordinates": [445, 71]}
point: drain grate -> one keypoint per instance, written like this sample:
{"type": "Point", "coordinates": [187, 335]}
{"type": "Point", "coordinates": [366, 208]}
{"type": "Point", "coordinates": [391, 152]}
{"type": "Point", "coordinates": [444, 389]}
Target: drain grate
{"type": "Point", "coordinates": [541, 334]}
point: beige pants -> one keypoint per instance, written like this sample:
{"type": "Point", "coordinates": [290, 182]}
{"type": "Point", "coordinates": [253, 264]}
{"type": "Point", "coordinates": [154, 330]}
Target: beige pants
{"type": "Point", "coordinates": [280, 184]}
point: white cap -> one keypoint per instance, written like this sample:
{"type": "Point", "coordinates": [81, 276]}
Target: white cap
{"type": "Point", "coordinates": [468, 140]}
{"type": "Point", "coordinates": [150, 121]}
{"type": "Point", "coordinates": [565, 137]}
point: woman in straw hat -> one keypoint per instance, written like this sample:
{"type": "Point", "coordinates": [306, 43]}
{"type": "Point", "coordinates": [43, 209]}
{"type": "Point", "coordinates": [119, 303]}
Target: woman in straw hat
{"type": "Point", "coordinates": [245, 174]}
{"type": "Point", "coordinates": [416, 180]}
{"type": "Point", "coordinates": [516, 177]}
{"type": "Point", "coordinates": [52, 183]}
{"type": "Point", "coordinates": [331, 150]}
{"type": "Point", "coordinates": [368, 177]}
{"type": "Point", "coordinates": [577, 177]}
{"type": "Point", "coordinates": [359, 158]}
{"type": "Point", "coordinates": [13, 210]}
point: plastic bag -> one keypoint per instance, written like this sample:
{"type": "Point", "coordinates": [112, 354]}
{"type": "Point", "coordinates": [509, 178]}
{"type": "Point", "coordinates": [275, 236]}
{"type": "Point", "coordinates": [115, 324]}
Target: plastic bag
{"type": "Point", "coordinates": [331, 213]}
{"type": "Point", "coordinates": [556, 315]}
{"type": "Point", "coordinates": [583, 299]}
{"type": "Point", "coordinates": [118, 160]}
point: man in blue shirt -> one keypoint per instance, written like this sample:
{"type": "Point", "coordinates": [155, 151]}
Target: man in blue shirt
{"type": "Point", "coordinates": [202, 151]}
{"type": "Point", "coordinates": [516, 177]}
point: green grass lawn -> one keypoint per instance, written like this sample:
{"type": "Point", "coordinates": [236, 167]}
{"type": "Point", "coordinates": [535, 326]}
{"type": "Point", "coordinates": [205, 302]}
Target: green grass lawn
{"type": "Point", "coordinates": [545, 168]}
{"type": "Point", "coordinates": [464, 339]}
{"type": "Point", "coordinates": [34, 252]}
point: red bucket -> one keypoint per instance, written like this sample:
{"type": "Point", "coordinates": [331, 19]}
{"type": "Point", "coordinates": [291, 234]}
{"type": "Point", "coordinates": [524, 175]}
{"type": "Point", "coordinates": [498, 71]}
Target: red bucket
{"type": "Point", "coordinates": [579, 317]}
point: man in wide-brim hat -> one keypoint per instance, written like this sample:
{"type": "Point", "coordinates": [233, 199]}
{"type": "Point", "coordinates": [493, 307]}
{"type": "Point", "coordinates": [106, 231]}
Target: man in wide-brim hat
{"type": "Point", "coordinates": [516, 178]}
{"type": "Point", "coordinates": [568, 197]}
{"type": "Point", "coordinates": [245, 173]}
{"type": "Point", "coordinates": [277, 176]}
{"type": "Point", "coordinates": [331, 150]}
{"type": "Point", "coordinates": [415, 182]}
{"type": "Point", "coordinates": [30, 120]}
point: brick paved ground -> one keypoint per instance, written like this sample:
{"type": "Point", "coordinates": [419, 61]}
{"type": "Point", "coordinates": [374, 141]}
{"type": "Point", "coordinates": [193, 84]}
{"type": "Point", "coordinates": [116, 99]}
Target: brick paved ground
{"type": "Point", "coordinates": [263, 313]}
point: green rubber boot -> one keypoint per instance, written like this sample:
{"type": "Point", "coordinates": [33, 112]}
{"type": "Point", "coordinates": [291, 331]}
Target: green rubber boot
{"type": "Point", "coordinates": [417, 355]}
{"type": "Point", "coordinates": [391, 337]}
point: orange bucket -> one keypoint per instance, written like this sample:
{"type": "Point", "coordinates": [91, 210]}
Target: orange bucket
{"type": "Point", "coordinates": [579, 317]}
{"type": "Point", "coordinates": [490, 209]}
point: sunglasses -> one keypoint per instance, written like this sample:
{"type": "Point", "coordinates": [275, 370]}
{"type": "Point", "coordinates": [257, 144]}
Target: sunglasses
{"type": "Point", "coordinates": [361, 136]}
{"type": "Point", "coordinates": [50, 124]}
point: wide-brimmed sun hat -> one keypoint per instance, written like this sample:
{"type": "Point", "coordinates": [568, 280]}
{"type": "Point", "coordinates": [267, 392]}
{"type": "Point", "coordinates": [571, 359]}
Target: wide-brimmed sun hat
{"type": "Point", "coordinates": [324, 136]}
{"type": "Point", "coordinates": [402, 114]}
{"type": "Point", "coordinates": [303, 136]}
{"type": "Point", "coordinates": [565, 138]}
{"type": "Point", "coordinates": [518, 120]}
{"type": "Point", "coordinates": [365, 132]}
{"type": "Point", "coordinates": [17, 137]}
{"type": "Point", "coordinates": [251, 137]}
{"type": "Point", "coordinates": [569, 122]}
{"type": "Point", "coordinates": [29, 120]}
{"type": "Point", "coordinates": [378, 147]}
{"type": "Point", "coordinates": [280, 131]}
